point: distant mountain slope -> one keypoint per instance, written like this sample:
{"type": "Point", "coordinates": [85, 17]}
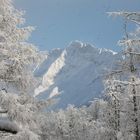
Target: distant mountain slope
{"type": "Point", "coordinates": [74, 73]}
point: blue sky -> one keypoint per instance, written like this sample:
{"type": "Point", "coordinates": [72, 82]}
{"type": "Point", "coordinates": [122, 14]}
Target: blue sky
{"type": "Point", "coordinates": [58, 22]}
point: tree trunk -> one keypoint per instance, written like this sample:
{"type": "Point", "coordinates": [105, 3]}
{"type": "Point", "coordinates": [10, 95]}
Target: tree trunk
{"type": "Point", "coordinates": [136, 129]}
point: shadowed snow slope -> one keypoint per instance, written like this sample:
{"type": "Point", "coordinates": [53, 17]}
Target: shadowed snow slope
{"type": "Point", "coordinates": [74, 73]}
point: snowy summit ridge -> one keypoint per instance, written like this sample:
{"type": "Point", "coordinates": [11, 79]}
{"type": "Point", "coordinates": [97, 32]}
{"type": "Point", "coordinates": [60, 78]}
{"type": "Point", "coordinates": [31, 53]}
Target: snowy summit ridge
{"type": "Point", "coordinates": [74, 73]}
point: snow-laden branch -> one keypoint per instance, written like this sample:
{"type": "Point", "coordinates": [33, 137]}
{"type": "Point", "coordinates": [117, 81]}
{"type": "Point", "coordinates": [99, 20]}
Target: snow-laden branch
{"type": "Point", "coordinates": [127, 82]}
{"type": "Point", "coordinates": [129, 42]}
{"type": "Point", "coordinates": [3, 111]}
{"type": "Point", "coordinates": [8, 127]}
{"type": "Point", "coordinates": [132, 16]}
{"type": "Point", "coordinates": [134, 53]}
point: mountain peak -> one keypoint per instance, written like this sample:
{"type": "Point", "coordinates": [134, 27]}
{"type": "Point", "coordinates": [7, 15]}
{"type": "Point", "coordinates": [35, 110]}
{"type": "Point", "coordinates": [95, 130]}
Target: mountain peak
{"type": "Point", "coordinates": [76, 43]}
{"type": "Point", "coordinates": [76, 72]}
{"type": "Point", "coordinates": [87, 47]}
{"type": "Point", "coordinates": [80, 45]}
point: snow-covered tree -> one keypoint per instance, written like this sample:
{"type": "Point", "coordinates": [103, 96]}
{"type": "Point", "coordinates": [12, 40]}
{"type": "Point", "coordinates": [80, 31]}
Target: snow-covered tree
{"type": "Point", "coordinates": [113, 93]}
{"type": "Point", "coordinates": [17, 61]}
{"type": "Point", "coordinates": [16, 56]}
{"type": "Point", "coordinates": [124, 82]}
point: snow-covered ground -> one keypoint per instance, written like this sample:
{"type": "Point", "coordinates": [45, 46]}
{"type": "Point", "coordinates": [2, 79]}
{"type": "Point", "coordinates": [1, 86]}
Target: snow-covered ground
{"type": "Point", "coordinates": [74, 73]}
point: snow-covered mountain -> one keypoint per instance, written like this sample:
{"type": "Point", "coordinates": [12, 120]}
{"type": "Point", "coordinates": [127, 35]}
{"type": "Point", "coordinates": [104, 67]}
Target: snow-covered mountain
{"type": "Point", "coordinates": [74, 73]}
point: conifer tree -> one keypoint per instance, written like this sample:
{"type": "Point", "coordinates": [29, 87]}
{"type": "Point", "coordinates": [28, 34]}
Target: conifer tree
{"type": "Point", "coordinates": [126, 77]}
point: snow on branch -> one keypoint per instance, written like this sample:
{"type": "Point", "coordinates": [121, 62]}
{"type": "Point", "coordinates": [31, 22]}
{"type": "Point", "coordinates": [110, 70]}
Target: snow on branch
{"type": "Point", "coordinates": [129, 42]}
{"type": "Point", "coordinates": [8, 127]}
{"type": "Point", "coordinates": [127, 82]}
{"type": "Point", "coordinates": [3, 111]}
{"type": "Point", "coordinates": [132, 16]}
